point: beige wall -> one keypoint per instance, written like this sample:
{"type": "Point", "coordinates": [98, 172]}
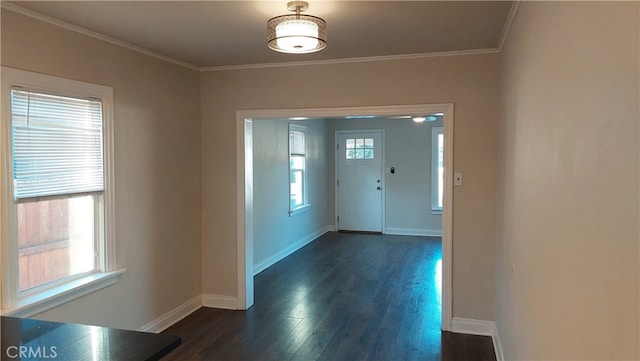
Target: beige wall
{"type": "Point", "coordinates": [569, 183]}
{"type": "Point", "coordinates": [468, 81]}
{"type": "Point", "coordinates": [159, 147]}
{"type": "Point", "coordinates": [157, 167]}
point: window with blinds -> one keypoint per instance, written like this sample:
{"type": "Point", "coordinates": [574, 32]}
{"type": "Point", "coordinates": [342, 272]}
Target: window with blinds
{"type": "Point", "coordinates": [58, 215]}
{"type": "Point", "coordinates": [57, 173]}
{"type": "Point", "coordinates": [297, 167]}
{"type": "Point", "coordinates": [57, 145]}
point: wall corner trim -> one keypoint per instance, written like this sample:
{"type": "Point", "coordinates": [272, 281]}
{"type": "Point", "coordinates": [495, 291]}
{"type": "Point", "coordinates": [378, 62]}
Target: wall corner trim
{"type": "Point", "coordinates": [168, 319]}
{"type": "Point", "coordinates": [220, 301]}
{"type": "Point", "coordinates": [507, 25]}
{"type": "Point", "coordinates": [497, 344]}
{"type": "Point", "coordinates": [480, 328]}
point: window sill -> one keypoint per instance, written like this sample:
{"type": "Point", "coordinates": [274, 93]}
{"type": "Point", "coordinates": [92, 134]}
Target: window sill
{"type": "Point", "coordinates": [436, 211]}
{"type": "Point", "coordinates": [299, 210]}
{"type": "Point", "coordinates": [59, 295]}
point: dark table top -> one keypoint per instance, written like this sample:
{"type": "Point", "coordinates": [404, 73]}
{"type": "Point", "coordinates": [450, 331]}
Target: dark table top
{"type": "Point", "coordinates": [27, 339]}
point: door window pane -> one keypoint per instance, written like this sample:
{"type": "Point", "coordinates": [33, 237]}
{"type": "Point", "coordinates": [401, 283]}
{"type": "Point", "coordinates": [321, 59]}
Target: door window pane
{"type": "Point", "coordinates": [359, 148]}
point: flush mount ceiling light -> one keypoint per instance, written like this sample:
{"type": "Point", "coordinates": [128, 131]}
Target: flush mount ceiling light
{"type": "Point", "coordinates": [297, 33]}
{"type": "Point", "coordinates": [421, 119]}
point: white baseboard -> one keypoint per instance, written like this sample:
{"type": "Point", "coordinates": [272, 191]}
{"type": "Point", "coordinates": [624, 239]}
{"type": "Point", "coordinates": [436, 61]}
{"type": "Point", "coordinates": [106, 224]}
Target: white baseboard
{"type": "Point", "coordinates": [268, 262]}
{"type": "Point", "coordinates": [413, 232]}
{"type": "Point", "coordinates": [168, 319]}
{"type": "Point", "coordinates": [220, 301]}
{"type": "Point", "coordinates": [481, 328]}
{"type": "Point", "coordinates": [472, 327]}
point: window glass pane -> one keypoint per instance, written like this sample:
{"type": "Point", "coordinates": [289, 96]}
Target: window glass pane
{"type": "Point", "coordinates": [296, 189]}
{"type": "Point", "coordinates": [351, 154]}
{"type": "Point", "coordinates": [297, 162]}
{"type": "Point", "coordinates": [351, 143]}
{"type": "Point", "coordinates": [55, 240]}
{"type": "Point", "coordinates": [368, 154]}
{"type": "Point", "coordinates": [368, 143]}
{"type": "Point", "coordinates": [359, 143]}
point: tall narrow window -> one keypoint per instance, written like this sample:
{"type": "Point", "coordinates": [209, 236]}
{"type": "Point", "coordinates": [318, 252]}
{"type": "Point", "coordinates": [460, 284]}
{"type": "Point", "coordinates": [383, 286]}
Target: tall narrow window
{"type": "Point", "coordinates": [56, 213]}
{"type": "Point", "coordinates": [297, 168]}
{"type": "Point", "coordinates": [437, 169]}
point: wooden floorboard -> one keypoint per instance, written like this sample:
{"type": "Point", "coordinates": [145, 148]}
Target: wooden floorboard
{"type": "Point", "coordinates": [345, 296]}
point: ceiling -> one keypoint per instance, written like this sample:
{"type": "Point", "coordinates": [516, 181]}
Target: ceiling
{"type": "Point", "coordinates": [215, 34]}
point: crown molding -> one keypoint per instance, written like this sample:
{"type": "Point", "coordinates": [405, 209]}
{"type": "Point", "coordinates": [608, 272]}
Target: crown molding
{"type": "Point", "coordinates": [93, 34]}
{"type": "Point", "coordinates": [507, 24]}
{"type": "Point", "coordinates": [352, 60]}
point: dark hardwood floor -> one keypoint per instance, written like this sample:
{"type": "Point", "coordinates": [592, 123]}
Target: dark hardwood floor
{"type": "Point", "coordinates": [345, 296]}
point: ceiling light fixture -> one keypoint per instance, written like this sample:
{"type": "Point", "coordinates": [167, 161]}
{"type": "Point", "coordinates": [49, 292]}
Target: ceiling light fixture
{"type": "Point", "coordinates": [421, 119]}
{"type": "Point", "coordinates": [296, 33]}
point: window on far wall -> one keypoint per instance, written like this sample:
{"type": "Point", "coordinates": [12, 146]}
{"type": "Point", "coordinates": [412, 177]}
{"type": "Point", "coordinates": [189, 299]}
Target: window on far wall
{"type": "Point", "coordinates": [297, 169]}
{"type": "Point", "coordinates": [56, 212]}
{"type": "Point", "coordinates": [437, 169]}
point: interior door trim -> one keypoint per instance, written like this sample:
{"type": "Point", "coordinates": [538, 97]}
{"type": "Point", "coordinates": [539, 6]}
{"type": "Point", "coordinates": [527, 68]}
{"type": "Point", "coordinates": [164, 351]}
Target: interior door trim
{"type": "Point", "coordinates": [244, 178]}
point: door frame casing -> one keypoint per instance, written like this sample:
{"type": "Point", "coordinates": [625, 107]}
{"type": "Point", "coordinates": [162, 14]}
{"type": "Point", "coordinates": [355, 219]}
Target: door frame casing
{"type": "Point", "coordinates": [383, 214]}
{"type": "Point", "coordinates": [244, 196]}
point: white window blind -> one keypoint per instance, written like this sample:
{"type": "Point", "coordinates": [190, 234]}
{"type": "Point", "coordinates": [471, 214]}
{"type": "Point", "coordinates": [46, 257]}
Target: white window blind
{"type": "Point", "coordinates": [57, 144]}
{"type": "Point", "coordinates": [297, 142]}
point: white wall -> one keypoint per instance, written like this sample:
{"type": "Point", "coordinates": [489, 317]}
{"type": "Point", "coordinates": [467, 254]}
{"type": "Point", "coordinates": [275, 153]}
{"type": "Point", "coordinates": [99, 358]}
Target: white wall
{"type": "Point", "coordinates": [569, 183]}
{"type": "Point", "coordinates": [157, 168]}
{"type": "Point", "coordinates": [275, 232]}
{"type": "Point", "coordinates": [408, 190]}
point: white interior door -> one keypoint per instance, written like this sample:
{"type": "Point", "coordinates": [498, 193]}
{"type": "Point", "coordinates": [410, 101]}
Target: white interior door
{"type": "Point", "coordinates": [359, 181]}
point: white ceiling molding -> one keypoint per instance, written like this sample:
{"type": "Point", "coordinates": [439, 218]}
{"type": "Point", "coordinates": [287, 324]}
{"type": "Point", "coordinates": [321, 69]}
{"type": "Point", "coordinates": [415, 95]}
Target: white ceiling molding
{"type": "Point", "coordinates": [81, 30]}
{"type": "Point", "coordinates": [353, 60]}
{"type": "Point", "coordinates": [124, 44]}
{"type": "Point", "coordinates": [507, 24]}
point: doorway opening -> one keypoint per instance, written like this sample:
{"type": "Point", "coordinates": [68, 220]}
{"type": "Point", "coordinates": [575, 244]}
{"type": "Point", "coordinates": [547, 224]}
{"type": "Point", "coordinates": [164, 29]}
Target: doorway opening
{"type": "Point", "coordinates": [244, 161]}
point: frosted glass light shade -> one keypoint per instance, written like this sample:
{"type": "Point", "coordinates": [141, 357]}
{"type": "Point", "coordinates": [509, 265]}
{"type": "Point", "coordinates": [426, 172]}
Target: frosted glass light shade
{"type": "Point", "coordinates": [296, 34]}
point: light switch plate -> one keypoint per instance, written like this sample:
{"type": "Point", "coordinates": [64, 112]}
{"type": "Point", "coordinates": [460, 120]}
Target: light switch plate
{"type": "Point", "coordinates": [457, 179]}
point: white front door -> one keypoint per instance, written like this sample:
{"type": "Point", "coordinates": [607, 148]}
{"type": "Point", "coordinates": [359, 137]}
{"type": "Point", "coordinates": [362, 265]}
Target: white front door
{"type": "Point", "coordinates": [359, 181]}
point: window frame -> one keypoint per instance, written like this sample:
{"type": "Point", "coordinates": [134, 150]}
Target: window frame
{"type": "Point", "coordinates": [435, 179]}
{"type": "Point", "coordinates": [305, 183]}
{"type": "Point", "coordinates": [41, 298]}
